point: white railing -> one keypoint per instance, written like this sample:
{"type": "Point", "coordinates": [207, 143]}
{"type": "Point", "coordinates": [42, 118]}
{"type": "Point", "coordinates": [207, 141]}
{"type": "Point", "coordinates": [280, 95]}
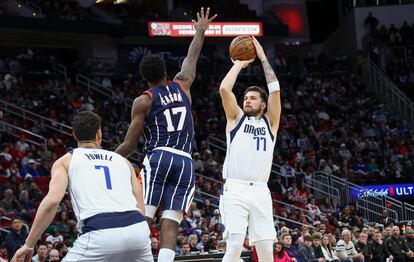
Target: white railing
{"type": "Point", "coordinates": [17, 131]}
{"type": "Point", "coordinates": [60, 69]}
{"type": "Point", "coordinates": [372, 206]}
{"type": "Point", "coordinates": [36, 9]}
{"type": "Point", "coordinates": [94, 86]}
{"type": "Point", "coordinates": [387, 90]}
{"type": "Point", "coordinates": [50, 124]}
{"type": "Point", "coordinates": [35, 118]}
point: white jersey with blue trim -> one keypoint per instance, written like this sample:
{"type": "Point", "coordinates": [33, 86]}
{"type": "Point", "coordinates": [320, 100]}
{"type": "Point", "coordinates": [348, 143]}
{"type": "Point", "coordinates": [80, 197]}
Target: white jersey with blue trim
{"type": "Point", "coordinates": [99, 182]}
{"type": "Point", "coordinates": [250, 147]}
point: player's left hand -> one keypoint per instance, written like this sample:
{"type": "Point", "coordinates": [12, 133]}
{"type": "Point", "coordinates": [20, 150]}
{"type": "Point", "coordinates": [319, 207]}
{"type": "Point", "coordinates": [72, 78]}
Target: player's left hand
{"type": "Point", "coordinates": [203, 21]}
{"type": "Point", "coordinates": [259, 49]}
{"type": "Point", "coordinates": [24, 254]}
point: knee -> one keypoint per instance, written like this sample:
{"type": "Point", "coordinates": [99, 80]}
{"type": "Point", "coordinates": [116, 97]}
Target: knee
{"type": "Point", "coordinates": [264, 250]}
{"type": "Point", "coordinates": [234, 243]}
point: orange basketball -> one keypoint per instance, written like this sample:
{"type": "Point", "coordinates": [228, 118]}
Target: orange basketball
{"type": "Point", "coordinates": [242, 48]}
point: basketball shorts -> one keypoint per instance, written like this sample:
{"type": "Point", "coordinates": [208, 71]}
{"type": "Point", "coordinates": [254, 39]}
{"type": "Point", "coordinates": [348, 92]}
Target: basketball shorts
{"type": "Point", "coordinates": [245, 204]}
{"type": "Point", "coordinates": [168, 179]}
{"type": "Point", "coordinates": [107, 239]}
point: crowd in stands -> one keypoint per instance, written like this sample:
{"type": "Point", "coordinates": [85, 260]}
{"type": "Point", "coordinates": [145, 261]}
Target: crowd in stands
{"type": "Point", "coordinates": [392, 48]}
{"type": "Point", "coordinates": [330, 123]}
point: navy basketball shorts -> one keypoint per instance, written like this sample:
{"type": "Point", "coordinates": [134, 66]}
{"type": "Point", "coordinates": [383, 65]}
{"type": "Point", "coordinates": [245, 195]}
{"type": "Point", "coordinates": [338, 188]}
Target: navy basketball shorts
{"type": "Point", "coordinates": [168, 179]}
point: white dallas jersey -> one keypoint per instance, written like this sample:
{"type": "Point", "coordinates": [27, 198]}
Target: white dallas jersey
{"type": "Point", "coordinates": [99, 182]}
{"type": "Point", "coordinates": [250, 147]}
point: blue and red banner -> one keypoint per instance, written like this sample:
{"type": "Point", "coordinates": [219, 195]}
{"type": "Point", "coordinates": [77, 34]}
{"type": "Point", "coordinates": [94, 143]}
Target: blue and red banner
{"type": "Point", "coordinates": [398, 191]}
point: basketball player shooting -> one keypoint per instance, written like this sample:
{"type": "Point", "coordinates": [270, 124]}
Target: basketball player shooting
{"type": "Point", "coordinates": [165, 112]}
{"type": "Point", "coordinates": [251, 134]}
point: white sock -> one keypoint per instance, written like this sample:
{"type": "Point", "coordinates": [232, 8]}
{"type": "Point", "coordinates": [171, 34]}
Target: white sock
{"type": "Point", "coordinates": [166, 255]}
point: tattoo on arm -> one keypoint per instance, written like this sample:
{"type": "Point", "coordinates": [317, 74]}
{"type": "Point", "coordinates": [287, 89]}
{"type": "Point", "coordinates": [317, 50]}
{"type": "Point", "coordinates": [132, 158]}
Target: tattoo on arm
{"type": "Point", "coordinates": [269, 73]}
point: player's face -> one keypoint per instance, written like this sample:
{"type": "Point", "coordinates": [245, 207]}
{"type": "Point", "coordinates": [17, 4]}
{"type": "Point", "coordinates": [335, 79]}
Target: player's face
{"type": "Point", "coordinates": [253, 104]}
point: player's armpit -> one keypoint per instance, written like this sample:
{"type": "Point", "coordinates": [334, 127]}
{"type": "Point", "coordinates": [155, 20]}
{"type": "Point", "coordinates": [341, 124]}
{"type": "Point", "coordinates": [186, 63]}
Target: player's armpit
{"type": "Point", "coordinates": [139, 111]}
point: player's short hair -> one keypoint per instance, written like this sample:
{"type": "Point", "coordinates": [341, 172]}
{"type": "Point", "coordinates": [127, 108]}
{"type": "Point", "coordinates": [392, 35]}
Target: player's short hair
{"type": "Point", "coordinates": [152, 68]}
{"type": "Point", "coordinates": [263, 94]}
{"type": "Point", "coordinates": [85, 125]}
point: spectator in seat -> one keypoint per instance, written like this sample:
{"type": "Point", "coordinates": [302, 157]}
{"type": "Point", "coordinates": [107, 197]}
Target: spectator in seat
{"type": "Point", "coordinates": [362, 246]}
{"type": "Point", "coordinates": [396, 247]}
{"type": "Point", "coordinates": [292, 250]}
{"type": "Point", "coordinates": [314, 211]}
{"type": "Point", "coordinates": [154, 246]}
{"type": "Point", "coordinates": [346, 250]}
{"type": "Point", "coordinates": [16, 237]}
{"type": "Point", "coordinates": [377, 247]}
{"type": "Point", "coordinates": [326, 206]}
{"type": "Point", "coordinates": [316, 245]}
{"type": "Point", "coordinates": [277, 186]}
{"type": "Point", "coordinates": [63, 224]}
{"type": "Point", "coordinates": [54, 255]}
{"type": "Point", "coordinates": [205, 236]}
{"type": "Point", "coordinates": [216, 219]}
{"type": "Point", "coordinates": [409, 237]}
{"type": "Point", "coordinates": [185, 248]}
{"type": "Point", "coordinates": [55, 236]}
{"type": "Point", "coordinates": [30, 168]}
{"type": "Point", "coordinates": [386, 220]}
{"type": "Point", "coordinates": [307, 252]}
{"type": "Point", "coordinates": [280, 255]}
{"type": "Point", "coordinates": [41, 253]}
{"type": "Point", "coordinates": [328, 252]}
{"type": "Point", "coordinates": [3, 253]}
{"type": "Point", "coordinates": [10, 203]}
{"type": "Point", "coordinates": [192, 240]}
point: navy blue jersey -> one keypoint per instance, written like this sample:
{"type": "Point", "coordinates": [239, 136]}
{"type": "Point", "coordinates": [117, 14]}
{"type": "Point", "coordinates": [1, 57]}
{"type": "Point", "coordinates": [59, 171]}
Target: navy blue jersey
{"type": "Point", "coordinates": [170, 121]}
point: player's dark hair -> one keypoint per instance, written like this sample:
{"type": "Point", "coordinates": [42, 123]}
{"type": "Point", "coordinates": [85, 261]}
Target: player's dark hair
{"type": "Point", "coordinates": [263, 94]}
{"type": "Point", "coordinates": [152, 68]}
{"type": "Point", "coordinates": [85, 125]}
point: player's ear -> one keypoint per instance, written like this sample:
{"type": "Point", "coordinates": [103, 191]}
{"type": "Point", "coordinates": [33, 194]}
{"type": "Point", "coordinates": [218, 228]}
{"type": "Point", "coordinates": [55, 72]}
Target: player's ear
{"type": "Point", "coordinates": [74, 136]}
{"type": "Point", "coordinates": [99, 136]}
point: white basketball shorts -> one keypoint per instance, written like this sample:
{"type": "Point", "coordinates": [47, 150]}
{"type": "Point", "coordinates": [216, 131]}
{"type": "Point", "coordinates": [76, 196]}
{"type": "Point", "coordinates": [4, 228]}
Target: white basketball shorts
{"type": "Point", "coordinates": [129, 244]}
{"type": "Point", "coordinates": [247, 204]}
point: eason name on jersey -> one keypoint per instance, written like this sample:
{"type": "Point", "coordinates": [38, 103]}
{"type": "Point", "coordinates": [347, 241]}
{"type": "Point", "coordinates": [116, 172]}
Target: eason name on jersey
{"type": "Point", "coordinates": [171, 98]}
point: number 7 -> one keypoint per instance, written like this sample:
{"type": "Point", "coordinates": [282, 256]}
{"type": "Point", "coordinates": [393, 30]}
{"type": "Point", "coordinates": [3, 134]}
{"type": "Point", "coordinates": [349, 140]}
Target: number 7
{"type": "Point", "coordinates": [107, 175]}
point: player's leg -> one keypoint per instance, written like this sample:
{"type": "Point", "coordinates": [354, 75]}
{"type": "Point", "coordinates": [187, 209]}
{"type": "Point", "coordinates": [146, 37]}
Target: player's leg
{"type": "Point", "coordinates": [234, 247]}
{"type": "Point", "coordinates": [264, 250]}
{"type": "Point", "coordinates": [153, 175]}
{"type": "Point", "coordinates": [262, 232]}
{"type": "Point", "coordinates": [234, 213]}
{"type": "Point", "coordinates": [170, 222]}
{"type": "Point", "coordinates": [176, 199]}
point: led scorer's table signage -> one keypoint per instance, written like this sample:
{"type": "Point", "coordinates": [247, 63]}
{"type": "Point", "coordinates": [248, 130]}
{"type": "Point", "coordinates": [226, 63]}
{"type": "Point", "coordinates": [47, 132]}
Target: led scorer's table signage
{"type": "Point", "coordinates": [400, 191]}
{"type": "Point", "coordinates": [219, 29]}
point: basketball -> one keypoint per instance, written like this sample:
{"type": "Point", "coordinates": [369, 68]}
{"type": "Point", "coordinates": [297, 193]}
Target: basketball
{"type": "Point", "coordinates": [242, 48]}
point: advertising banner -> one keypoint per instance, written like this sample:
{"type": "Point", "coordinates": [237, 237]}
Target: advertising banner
{"type": "Point", "coordinates": [219, 29]}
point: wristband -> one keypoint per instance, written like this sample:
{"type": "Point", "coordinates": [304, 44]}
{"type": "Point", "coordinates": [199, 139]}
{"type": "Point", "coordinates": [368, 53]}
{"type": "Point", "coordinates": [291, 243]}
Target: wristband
{"type": "Point", "coordinates": [273, 87]}
{"type": "Point", "coordinates": [30, 248]}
